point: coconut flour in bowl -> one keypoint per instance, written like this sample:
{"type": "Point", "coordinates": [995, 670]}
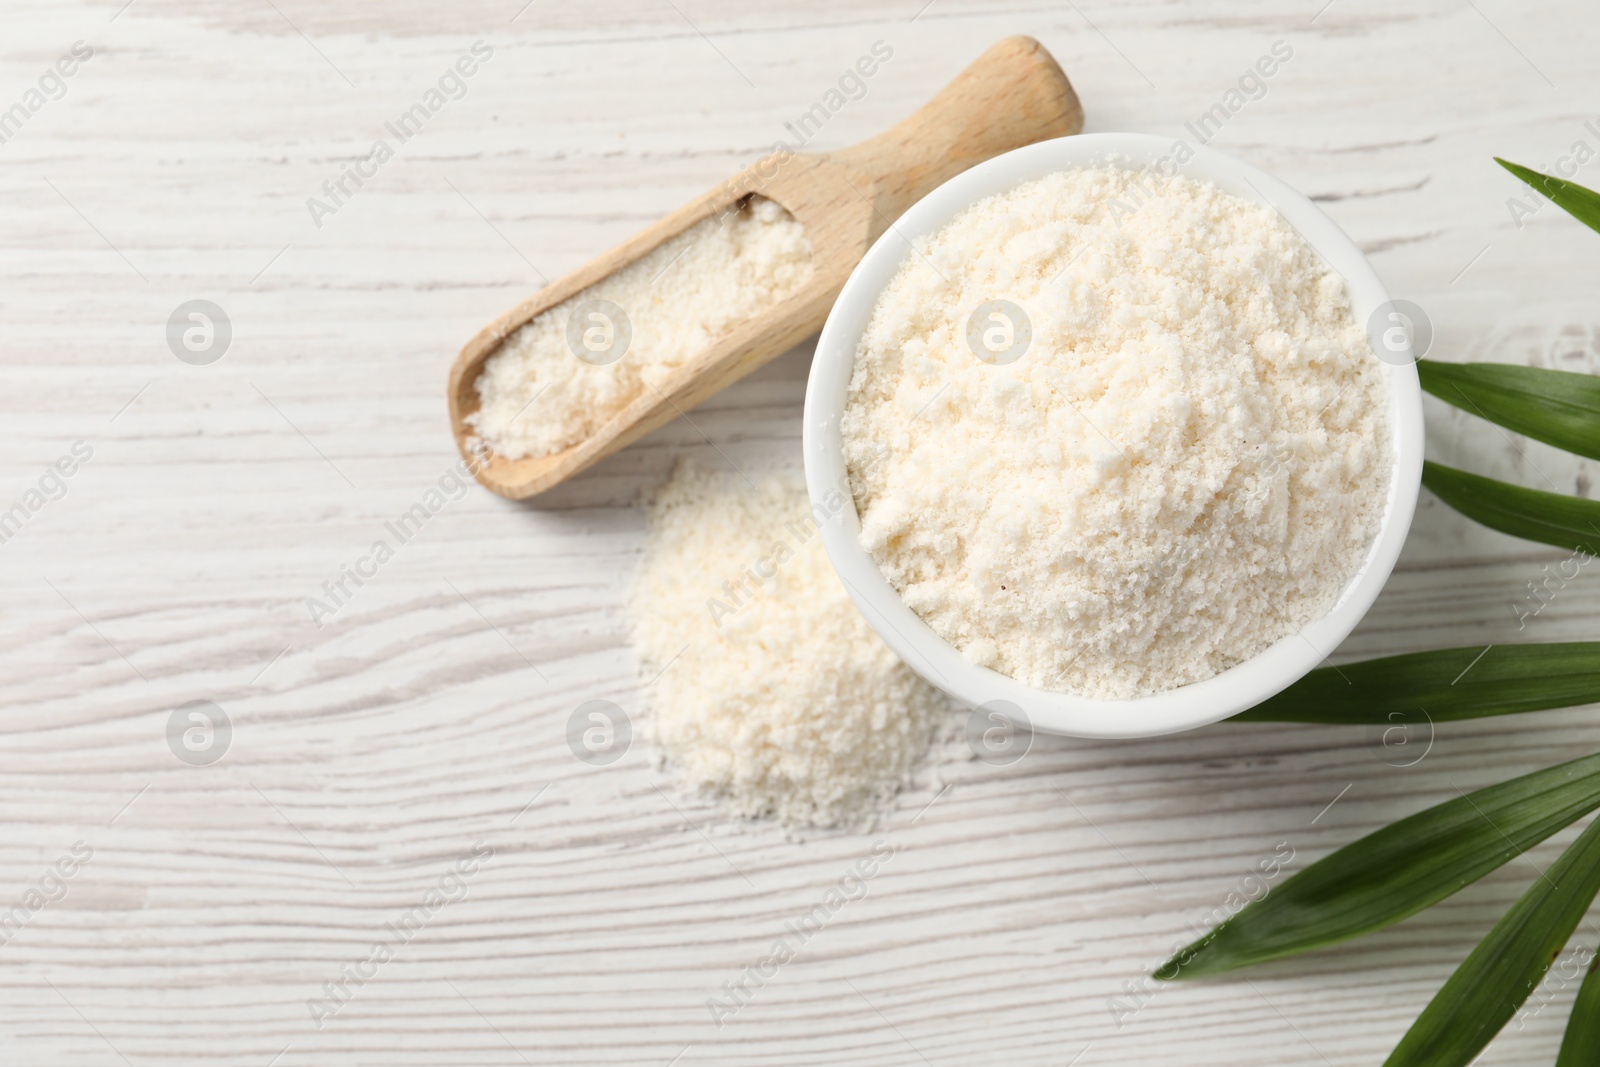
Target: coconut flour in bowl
{"type": "Point", "coordinates": [1113, 432]}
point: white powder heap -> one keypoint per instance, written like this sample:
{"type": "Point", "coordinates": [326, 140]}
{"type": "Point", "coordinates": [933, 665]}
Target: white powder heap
{"type": "Point", "coordinates": [774, 693]}
{"type": "Point", "coordinates": [537, 397]}
{"type": "Point", "coordinates": [1187, 463]}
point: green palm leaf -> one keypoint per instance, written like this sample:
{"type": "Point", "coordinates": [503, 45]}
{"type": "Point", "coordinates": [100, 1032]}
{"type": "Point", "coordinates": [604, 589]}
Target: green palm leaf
{"type": "Point", "coordinates": [1507, 965]}
{"type": "Point", "coordinates": [1582, 204]}
{"type": "Point", "coordinates": [1444, 685]}
{"type": "Point", "coordinates": [1581, 1046]}
{"type": "Point", "coordinates": [1554, 406]}
{"type": "Point", "coordinates": [1413, 864]}
{"type": "Point", "coordinates": [1532, 514]}
{"type": "Point", "coordinates": [1397, 871]}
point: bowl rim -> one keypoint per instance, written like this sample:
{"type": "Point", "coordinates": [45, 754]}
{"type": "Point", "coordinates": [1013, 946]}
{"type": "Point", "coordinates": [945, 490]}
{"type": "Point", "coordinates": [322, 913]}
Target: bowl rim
{"type": "Point", "coordinates": [940, 663]}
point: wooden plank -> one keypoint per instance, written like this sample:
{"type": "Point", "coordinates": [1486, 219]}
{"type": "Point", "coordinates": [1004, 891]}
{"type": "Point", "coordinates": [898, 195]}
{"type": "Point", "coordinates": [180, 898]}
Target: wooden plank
{"type": "Point", "coordinates": [370, 755]}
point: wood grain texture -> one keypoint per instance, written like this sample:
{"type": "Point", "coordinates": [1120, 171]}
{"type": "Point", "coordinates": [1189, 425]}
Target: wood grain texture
{"type": "Point", "coordinates": [371, 754]}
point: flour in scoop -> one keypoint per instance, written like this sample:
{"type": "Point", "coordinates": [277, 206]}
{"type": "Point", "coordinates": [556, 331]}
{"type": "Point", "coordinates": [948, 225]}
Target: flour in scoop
{"type": "Point", "coordinates": [769, 689]}
{"type": "Point", "coordinates": [561, 376]}
{"type": "Point", "coordinates": [1113, 432]}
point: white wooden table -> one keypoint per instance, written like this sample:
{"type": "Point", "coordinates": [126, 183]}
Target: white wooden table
{"type": "Point", "coordinates": [369, 756]}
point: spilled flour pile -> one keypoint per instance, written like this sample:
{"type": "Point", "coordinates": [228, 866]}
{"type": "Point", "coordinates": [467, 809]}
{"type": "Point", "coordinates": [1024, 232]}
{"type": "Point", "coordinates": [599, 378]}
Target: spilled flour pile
{"type": "Point", "coordinates": [774, 693]}
{"type": "Point", "coordinates": [561, 376]}
{"type": "Point", "coordinates": [1126, 450]}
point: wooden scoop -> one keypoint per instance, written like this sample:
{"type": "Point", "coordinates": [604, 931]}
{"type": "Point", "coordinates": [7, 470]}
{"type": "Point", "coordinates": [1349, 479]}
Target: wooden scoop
{"type": "Point", "coordinates": [1013, 95]}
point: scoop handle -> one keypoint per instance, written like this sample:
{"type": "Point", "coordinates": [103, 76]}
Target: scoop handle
{"type": "Point", "coordinates": [1013, 95]}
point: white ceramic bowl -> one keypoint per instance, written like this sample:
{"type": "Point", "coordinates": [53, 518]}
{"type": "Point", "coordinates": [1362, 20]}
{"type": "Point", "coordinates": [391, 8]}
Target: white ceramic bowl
{"type": "Point", "coordinates": [935, 659]}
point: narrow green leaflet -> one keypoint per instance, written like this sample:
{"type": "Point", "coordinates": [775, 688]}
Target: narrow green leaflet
{"type": "Point", "coordinates": [1553, 518]}
{"type": "Point", "coordinates": [1581, 1046]}
{"type": "Point", "coordinates": [1582, 204]}
{"type": "Point", "coordinates": [1397, 871]}
{"type": "Point", "coordinates": [1440, 686]}
{"type": "Point", "coordinates": [1497, 977]}
{"type": "Point", "coordinates": [1554, 406]}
